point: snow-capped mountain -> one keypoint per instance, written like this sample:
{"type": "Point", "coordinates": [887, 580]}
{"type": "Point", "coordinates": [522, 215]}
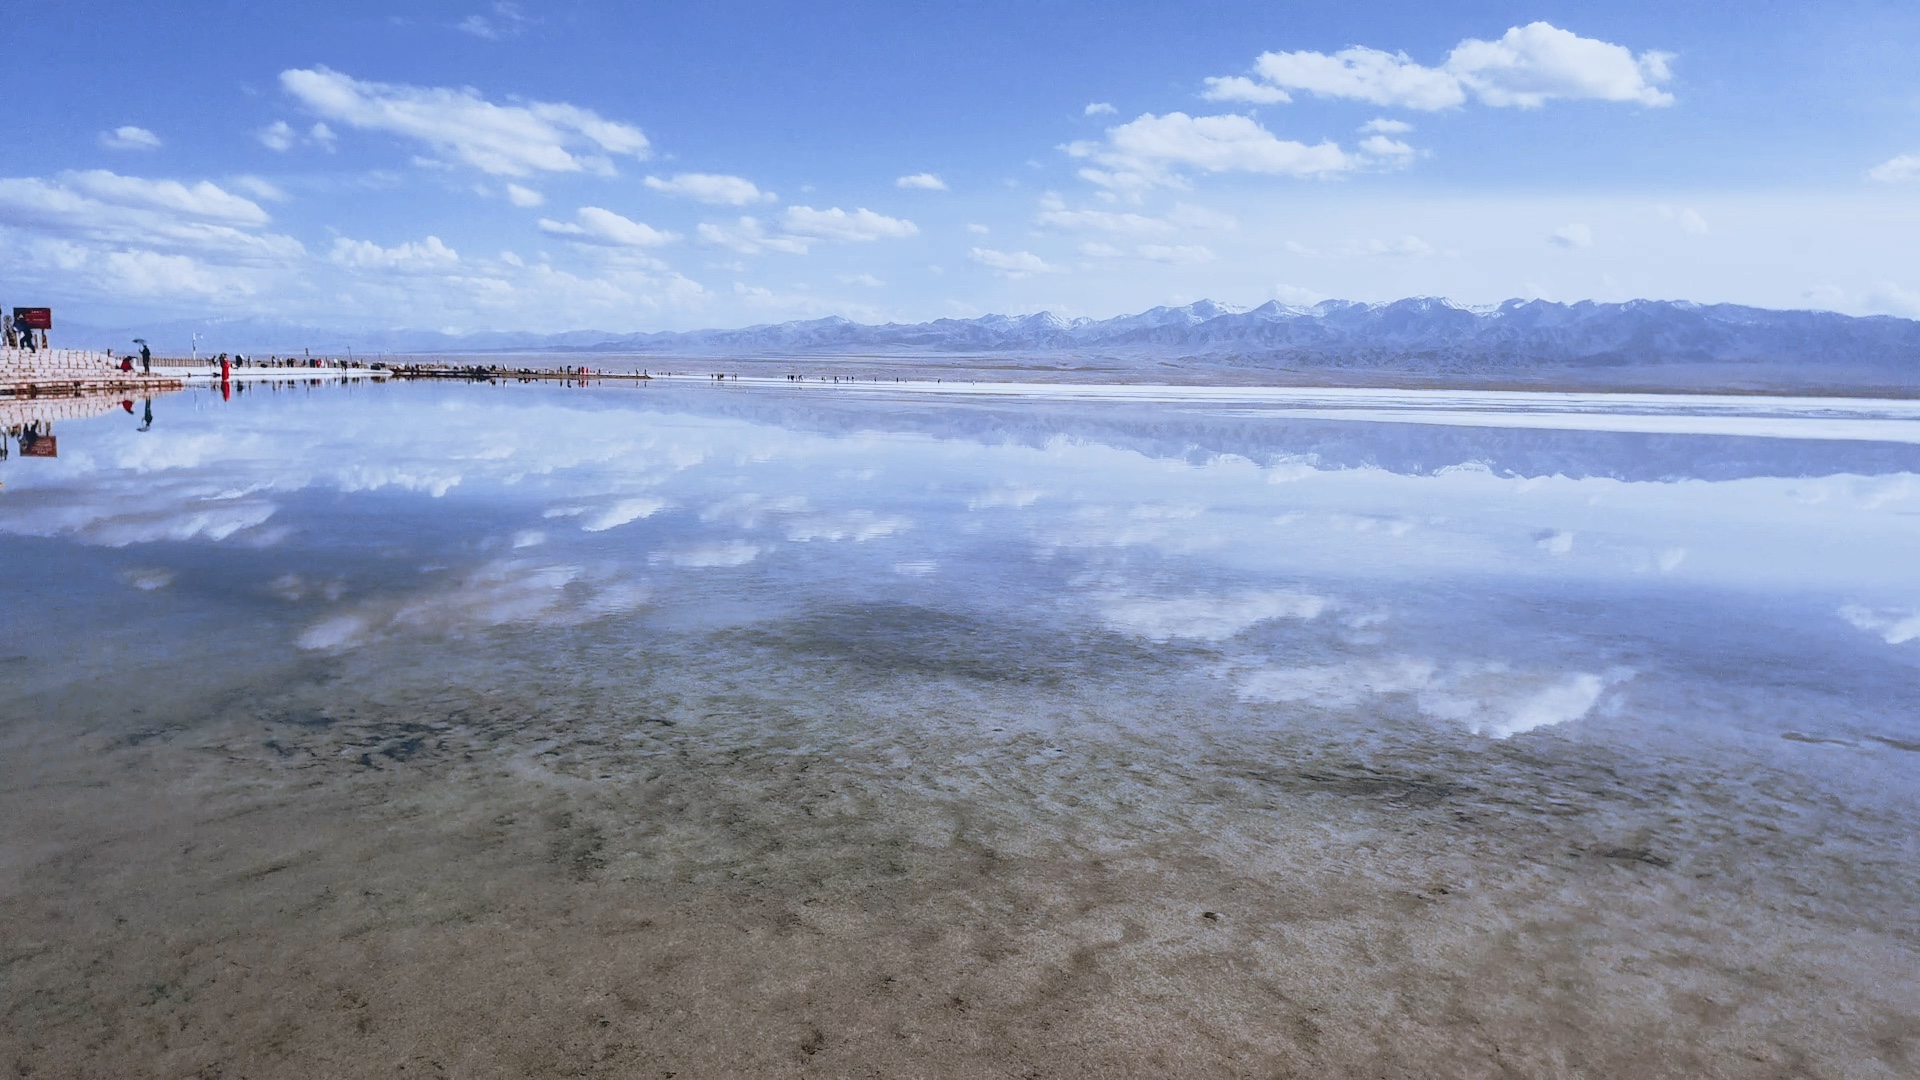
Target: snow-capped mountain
{"type": "Point", "coordinates": [1418, 336]}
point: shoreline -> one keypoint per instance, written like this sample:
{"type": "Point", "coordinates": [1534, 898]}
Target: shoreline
{"type": "Point", "coordinates": [865, 368]}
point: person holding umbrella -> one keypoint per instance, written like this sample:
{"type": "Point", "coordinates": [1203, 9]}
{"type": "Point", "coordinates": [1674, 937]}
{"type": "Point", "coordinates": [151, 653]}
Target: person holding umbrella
{"type": "Point", "coordinates": [146, 356]}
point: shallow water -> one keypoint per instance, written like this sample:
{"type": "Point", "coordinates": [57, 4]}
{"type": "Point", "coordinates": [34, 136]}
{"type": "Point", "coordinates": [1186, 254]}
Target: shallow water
{"type": "Point", "coordinates": [736, 729]}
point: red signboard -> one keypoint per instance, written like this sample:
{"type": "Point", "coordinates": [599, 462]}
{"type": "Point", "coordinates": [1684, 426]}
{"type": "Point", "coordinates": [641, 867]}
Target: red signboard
{"type": "Point", "coordinates": [40, 446]}
{"type": "Point", "coordinates": [37, 318]}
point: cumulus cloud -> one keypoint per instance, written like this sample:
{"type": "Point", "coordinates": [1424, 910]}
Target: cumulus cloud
{"type": "Point", "coordinates": [602, 227]}
{"type": "Point", "coordinates": [1904, 169]}
{"type": "Point", "coordinates": [280, 137]}
{"type": "Point", "coordinates": [425, 255]}
{"type": "Point", "coordinates": [925, 181]}
{"type": "Point", "coordinates": [714, 189]}
{"type": "Point", "coordinates": [276, 136]}
{"type": "Point", "coordinates": [204, 200]}
{"type": "Point", "coordinates": [1526, 67]}
{"type": "Point", "coordinates": [258, 187]}
{"type": "Point", "coordinates": [140, 216]}
{"type": "Point", "coordinates": [1241, 88]}
{"type": "Point", "coordinates": [1057, 216]}
{"type": "Point", "coordinates": [465, 128]}
{"type": "Point", "coordinates": [1100, 108]}
{"type": "Point", "coordinates": [838, 224]}
{"type": "Point", "coordinates": [1013, 264]}
{"type": "Point", "coordinates": [1384, 126]}
{"type": "Point", "coordinates": [129, 138]}
{"type": "Point", "coordinates": [803, 226]}
{"type": "Point", "coordinates": [524, 196]}
{"type": "Point", "coordinates": [1387, 151]}
{"type": "Point", "coordinates": [1152, 150]}
{"type": "Point", "coordinates": [749, 236]}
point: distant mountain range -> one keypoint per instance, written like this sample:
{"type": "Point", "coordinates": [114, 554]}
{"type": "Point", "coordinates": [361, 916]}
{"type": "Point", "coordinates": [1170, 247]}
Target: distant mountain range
{"type": "Point", "coordinates": [1422, 336]}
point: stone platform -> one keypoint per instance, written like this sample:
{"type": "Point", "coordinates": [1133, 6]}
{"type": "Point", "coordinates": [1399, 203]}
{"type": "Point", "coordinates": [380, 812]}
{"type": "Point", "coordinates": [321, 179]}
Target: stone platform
{"type": "Point", "coordinates": [31, 373]}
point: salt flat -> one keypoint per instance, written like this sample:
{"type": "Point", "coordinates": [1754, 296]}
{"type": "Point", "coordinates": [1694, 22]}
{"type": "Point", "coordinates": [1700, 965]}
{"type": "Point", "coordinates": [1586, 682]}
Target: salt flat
{"type": "Point", "coordinates": [928, 729]}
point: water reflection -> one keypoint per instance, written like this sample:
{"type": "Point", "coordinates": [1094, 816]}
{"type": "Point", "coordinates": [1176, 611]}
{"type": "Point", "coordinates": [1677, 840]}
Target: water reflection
{"type": "Point", "coordinates": [879, 660]}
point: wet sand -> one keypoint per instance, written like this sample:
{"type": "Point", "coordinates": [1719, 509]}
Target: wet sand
{"type": "Point", "coordinates": [761, 854]}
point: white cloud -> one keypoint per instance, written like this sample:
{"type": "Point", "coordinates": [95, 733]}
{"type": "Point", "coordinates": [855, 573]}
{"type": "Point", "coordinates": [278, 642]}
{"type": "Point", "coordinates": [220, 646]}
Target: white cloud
{"type": "Point", "coordinates": [1165, 253]}
{"type": "Point", "coordinates": [1388, 151]}
{"type": "Point", "coordinates": [1364, 74]}
{"type": "Point", "coordinates": [1057, 216]}
{"type": "Point", "coordinates": [279, 136]}
{"type": "Point", "coordinates": [506, 20]}
{"type": "Point", "coordinates": [867, 280]}
{"type": "Point", "coordinates": [1536, 63]}
{"type": "Point", "coordinates": [1100, 108]}
{"type": "Point", "coordinates": [1175, 253]}
{"type": "Point", "coordinates": [802, 226]}
{"type": "Point", "coordinates": [1241, 88]}
{"type": "Point", "coordinates": [1526, 67]}
{"type": "Point", "coordinates": [925, 181]}
{"type": "Point", "coordinates": [1013, 264]}
{"type": "Point", "coordinates": [594, 225]}
{"type": "Point", "coordinates": [1384, 126]}
{"type": "Point", "coordinates": [276, 136]}
{"type": "Point", "coordinates": [1899, 170]}
{"type": "Point", "coordinates": [1148, 151]}
{"type": "Point", "coordinates": [111, 225]}
{"type": "Point", "coordinates": [749, 237]}
{"type": "Point", "coordinates": [428, 254]}
{"type": "Point", "coordinates": [978, 229]}
{"type": "Point", "coordinates": [524, 196]}
{"type": "Point", "coordinates": [259, 188]}
{"type": "Point", "coordinates": [1572, 236]}
{"type": "Point", "coordinates": [837, 224]}
{"type": "Point", "coordinates": [715, 189]}
{"type": "Point", "coordinates": [204, 200]}
{"type": "Point", "coordinates": [129, 138]}
{"type": "Point", "coordinates": [463, 127]}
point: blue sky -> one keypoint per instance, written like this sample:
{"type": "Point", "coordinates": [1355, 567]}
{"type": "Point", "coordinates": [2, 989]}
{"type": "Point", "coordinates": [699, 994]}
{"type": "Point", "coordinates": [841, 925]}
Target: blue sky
{"type": "Point", "coordinates": [484, 165]}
